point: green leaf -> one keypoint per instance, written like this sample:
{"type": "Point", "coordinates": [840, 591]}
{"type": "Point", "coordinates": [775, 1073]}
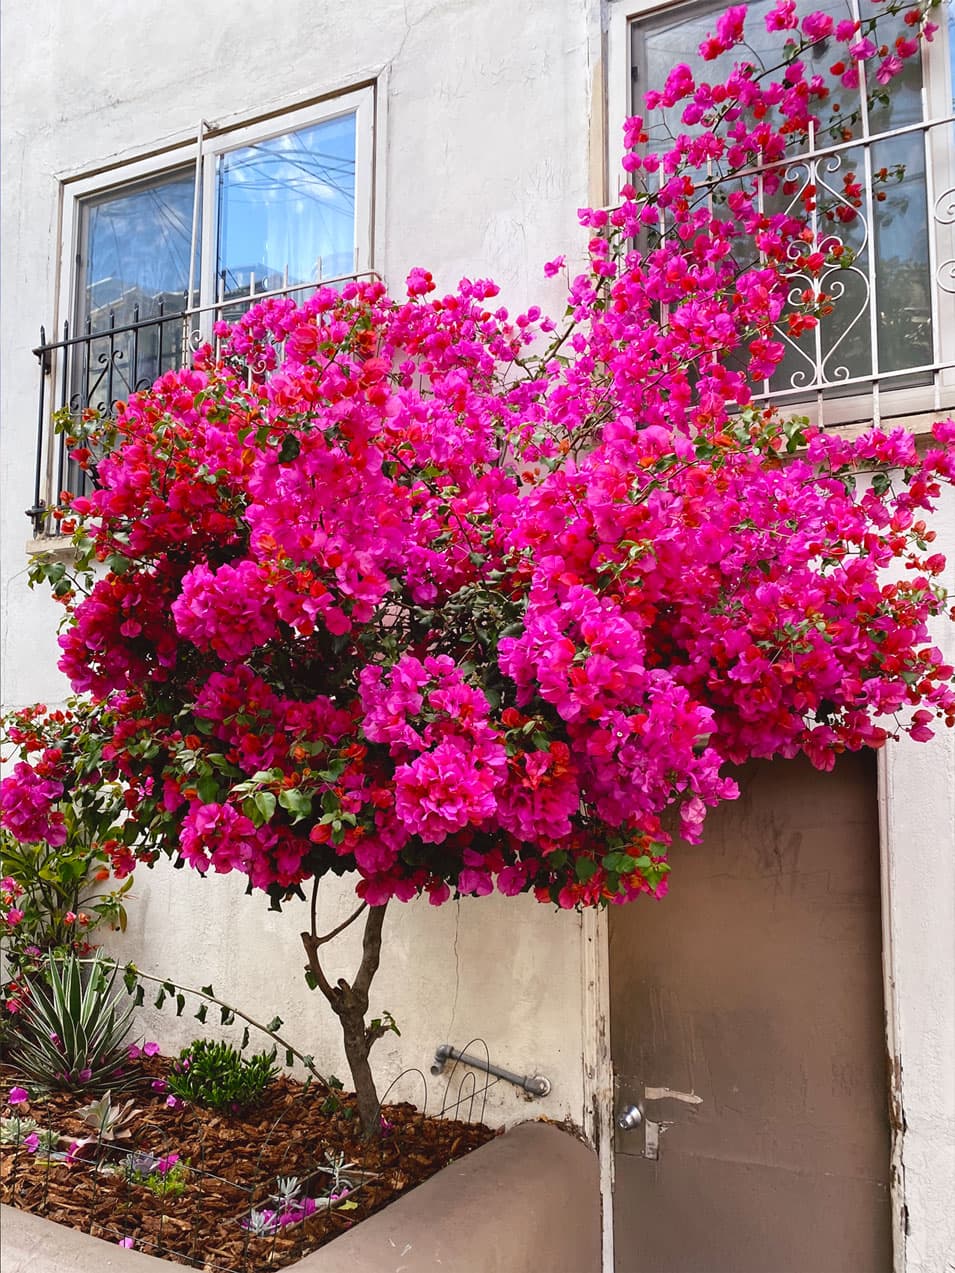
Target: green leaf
{"type": "Point", "coordinates": [585, 868]}
{"type": "Point", "coordinates": [265, 803]}
{"type": "Point", "coordinates": [275, 1024]}
{"type": "Point", "coordinates": [620, 863]}
{"type": "Point", "coordinates": [201, 1012]}
{"type": "Point", "coordinates": [208, 789]}
{"type": "Point", "coordinates": [298, 803]}
{"type": "Point", "coordinates": [289, 449]}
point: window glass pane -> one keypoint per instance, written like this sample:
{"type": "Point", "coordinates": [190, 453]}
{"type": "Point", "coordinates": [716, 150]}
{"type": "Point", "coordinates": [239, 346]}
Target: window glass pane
{"type": "Point", "coordinates": [134, 274]}
{"type": "Point", "coordinates": [135, 250]}
{"type": "Point", "coordinates": [287, 209]}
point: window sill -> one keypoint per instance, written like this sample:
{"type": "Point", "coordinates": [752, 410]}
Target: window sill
{"type": "Point", "coordinates": [56, 547]}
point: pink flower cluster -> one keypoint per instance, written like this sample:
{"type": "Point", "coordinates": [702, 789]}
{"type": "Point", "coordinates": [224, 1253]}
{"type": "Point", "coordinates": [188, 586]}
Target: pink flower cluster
{"type": "Point", "coordinates": [227, 610]}
{"type": "Point", "coordinates": [28, 807]}
{"type": "Point", "coordinates": [476, 598]}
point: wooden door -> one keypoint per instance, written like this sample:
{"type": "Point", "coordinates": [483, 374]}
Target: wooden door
{"type": "Point", "coordinates": [747, 1027]}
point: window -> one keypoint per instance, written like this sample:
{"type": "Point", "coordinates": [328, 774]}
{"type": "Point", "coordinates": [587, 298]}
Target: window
{"type": "Point", "coordinates": [157, 250]}
{"type": "Point", "coordinates": [889, 346]}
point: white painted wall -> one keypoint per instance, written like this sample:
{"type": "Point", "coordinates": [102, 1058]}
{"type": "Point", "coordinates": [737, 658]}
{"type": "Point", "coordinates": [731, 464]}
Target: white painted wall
{"type": "Point", "coordinates": [489, 141]}
{"type": "Point", "coordinates": [918, 790]}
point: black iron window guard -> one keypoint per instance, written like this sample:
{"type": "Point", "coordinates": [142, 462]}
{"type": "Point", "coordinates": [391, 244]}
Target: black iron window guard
{"type": "Point", "coordinates": [107, 360]}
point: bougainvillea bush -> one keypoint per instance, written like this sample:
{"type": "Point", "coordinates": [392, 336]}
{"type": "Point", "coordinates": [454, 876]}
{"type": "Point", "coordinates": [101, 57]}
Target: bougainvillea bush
{"type": "Point", "coordinates": [455, 600]}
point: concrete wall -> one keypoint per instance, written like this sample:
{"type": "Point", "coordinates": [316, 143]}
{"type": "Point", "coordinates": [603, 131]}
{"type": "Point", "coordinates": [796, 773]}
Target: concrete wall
{"type": "Point", "coordinates": [918, 792]}
{"type": "Point", "coordinates": [487, 110]}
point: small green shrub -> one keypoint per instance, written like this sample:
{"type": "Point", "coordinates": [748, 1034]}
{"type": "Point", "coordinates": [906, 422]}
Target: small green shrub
{"type": "Point", "coordinates": [72, 1031]}
{"type": "Point", "coordinates": [219, 1076]}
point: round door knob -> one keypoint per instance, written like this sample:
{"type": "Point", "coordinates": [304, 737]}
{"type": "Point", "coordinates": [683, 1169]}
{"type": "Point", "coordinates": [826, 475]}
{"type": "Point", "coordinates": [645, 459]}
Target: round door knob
{"type": "Point", "coordinates": [629, 1118]}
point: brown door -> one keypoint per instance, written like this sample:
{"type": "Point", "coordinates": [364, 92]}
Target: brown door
{"type": "Point", "coordinates": [747, 1030]}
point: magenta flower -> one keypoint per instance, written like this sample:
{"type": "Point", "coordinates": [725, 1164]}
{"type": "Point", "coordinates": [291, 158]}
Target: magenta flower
{"type": "Point", "coordinates": [18, 1096]}
{"type": "Point", "coordinates": [888, 68]}
{"type": "Point", "coordinates": [31, 1143]}
{"type": "Point", "coordinates": [150, 1049]}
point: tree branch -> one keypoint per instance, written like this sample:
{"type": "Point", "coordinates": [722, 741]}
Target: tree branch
{"type": "Point", "coordinates": [371, 951]}
{"type": "Point", "coordinates": [327, 937]}
{"type": "Point", "coordinates": [220, 1003]}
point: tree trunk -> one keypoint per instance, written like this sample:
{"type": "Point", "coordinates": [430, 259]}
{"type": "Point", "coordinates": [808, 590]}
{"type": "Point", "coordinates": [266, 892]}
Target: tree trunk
{"type": "Point", "coordinates": [350, 1003]}
{"type": "Point", "coordinates": [357, 1049]}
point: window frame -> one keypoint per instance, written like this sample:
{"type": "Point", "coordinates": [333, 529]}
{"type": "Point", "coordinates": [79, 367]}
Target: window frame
{"type": "Point", "coordinates": [915, 408]}
{"type": "Point", "coordinates": [185, 155]}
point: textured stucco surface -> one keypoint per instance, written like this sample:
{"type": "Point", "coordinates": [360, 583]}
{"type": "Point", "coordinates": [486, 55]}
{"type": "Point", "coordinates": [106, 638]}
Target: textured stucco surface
{"type": "Point", "coordinates": [919, 793]}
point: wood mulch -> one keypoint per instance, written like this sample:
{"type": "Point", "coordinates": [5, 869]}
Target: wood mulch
{"type": "Point", "coordinates": [233, 1162]}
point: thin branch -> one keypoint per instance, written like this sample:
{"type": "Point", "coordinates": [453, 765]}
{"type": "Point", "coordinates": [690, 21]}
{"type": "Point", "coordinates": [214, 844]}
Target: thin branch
{"type": "Point", "coordinates": [310, 942]}
{"type": "Point", "coordinates": [314, 907]}
{"type": "Point", "coordinates": [307, 1061]}
{"type": "Point", "coordinates": [320, 941]}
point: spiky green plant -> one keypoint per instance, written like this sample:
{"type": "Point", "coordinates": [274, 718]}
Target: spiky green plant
{"type": "Point", "coordinates": [72, 1032]}
{"type": "Point", "coordinates": [219, 1076]}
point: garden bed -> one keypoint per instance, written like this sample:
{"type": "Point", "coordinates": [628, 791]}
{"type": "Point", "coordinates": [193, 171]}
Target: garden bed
{"type": "Point", "coordinates": [201, 1213]}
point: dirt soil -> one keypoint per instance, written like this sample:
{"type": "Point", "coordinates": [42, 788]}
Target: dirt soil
{"type": "Point", "coordinates": [232, 1164]}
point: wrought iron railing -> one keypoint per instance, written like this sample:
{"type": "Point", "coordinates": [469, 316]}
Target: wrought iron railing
{"type": "Point", "coordinates": [879, 208]}
{"type": "Point", "coordinates": [889, 347]}
{"type": "Point", "coordinates": [108, 359]}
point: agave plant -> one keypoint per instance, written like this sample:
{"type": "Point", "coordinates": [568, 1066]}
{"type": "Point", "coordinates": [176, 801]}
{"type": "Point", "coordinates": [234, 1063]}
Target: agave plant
{"type": "Point", "coordinates": [71, 1033]}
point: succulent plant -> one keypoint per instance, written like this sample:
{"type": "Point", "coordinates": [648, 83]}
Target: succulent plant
{"type": "Point", "coordinates": [219, 1076]}
{"type": "Point", "coordinates": [14, 1130]}
{"type": "Point", "coordinates": [71, 1032]}
{"type": "Point", "coordinates": [109, 1122]}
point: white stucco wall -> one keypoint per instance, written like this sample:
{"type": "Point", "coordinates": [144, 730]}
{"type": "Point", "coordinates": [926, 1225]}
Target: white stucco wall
{"type": "Point", "coordinates": [918, 790]}
{"type": "Point", "coordinates": [487, 114]}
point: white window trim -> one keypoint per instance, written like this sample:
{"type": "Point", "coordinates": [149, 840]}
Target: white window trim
{"type": "Point", "coordinates": [915, 409]}
{"type": "Point", "coordinates": [219, 140]}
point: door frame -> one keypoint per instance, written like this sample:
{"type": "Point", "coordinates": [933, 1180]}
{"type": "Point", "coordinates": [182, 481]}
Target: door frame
{"type": "Point", "coordinates": [598, 1062]}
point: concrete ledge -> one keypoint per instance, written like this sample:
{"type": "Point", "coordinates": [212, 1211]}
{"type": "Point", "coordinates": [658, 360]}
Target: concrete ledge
{"type": "Point", "coordinates": [527, 1200]}
{"type": "Point", "coordinates": [30, 1244]}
